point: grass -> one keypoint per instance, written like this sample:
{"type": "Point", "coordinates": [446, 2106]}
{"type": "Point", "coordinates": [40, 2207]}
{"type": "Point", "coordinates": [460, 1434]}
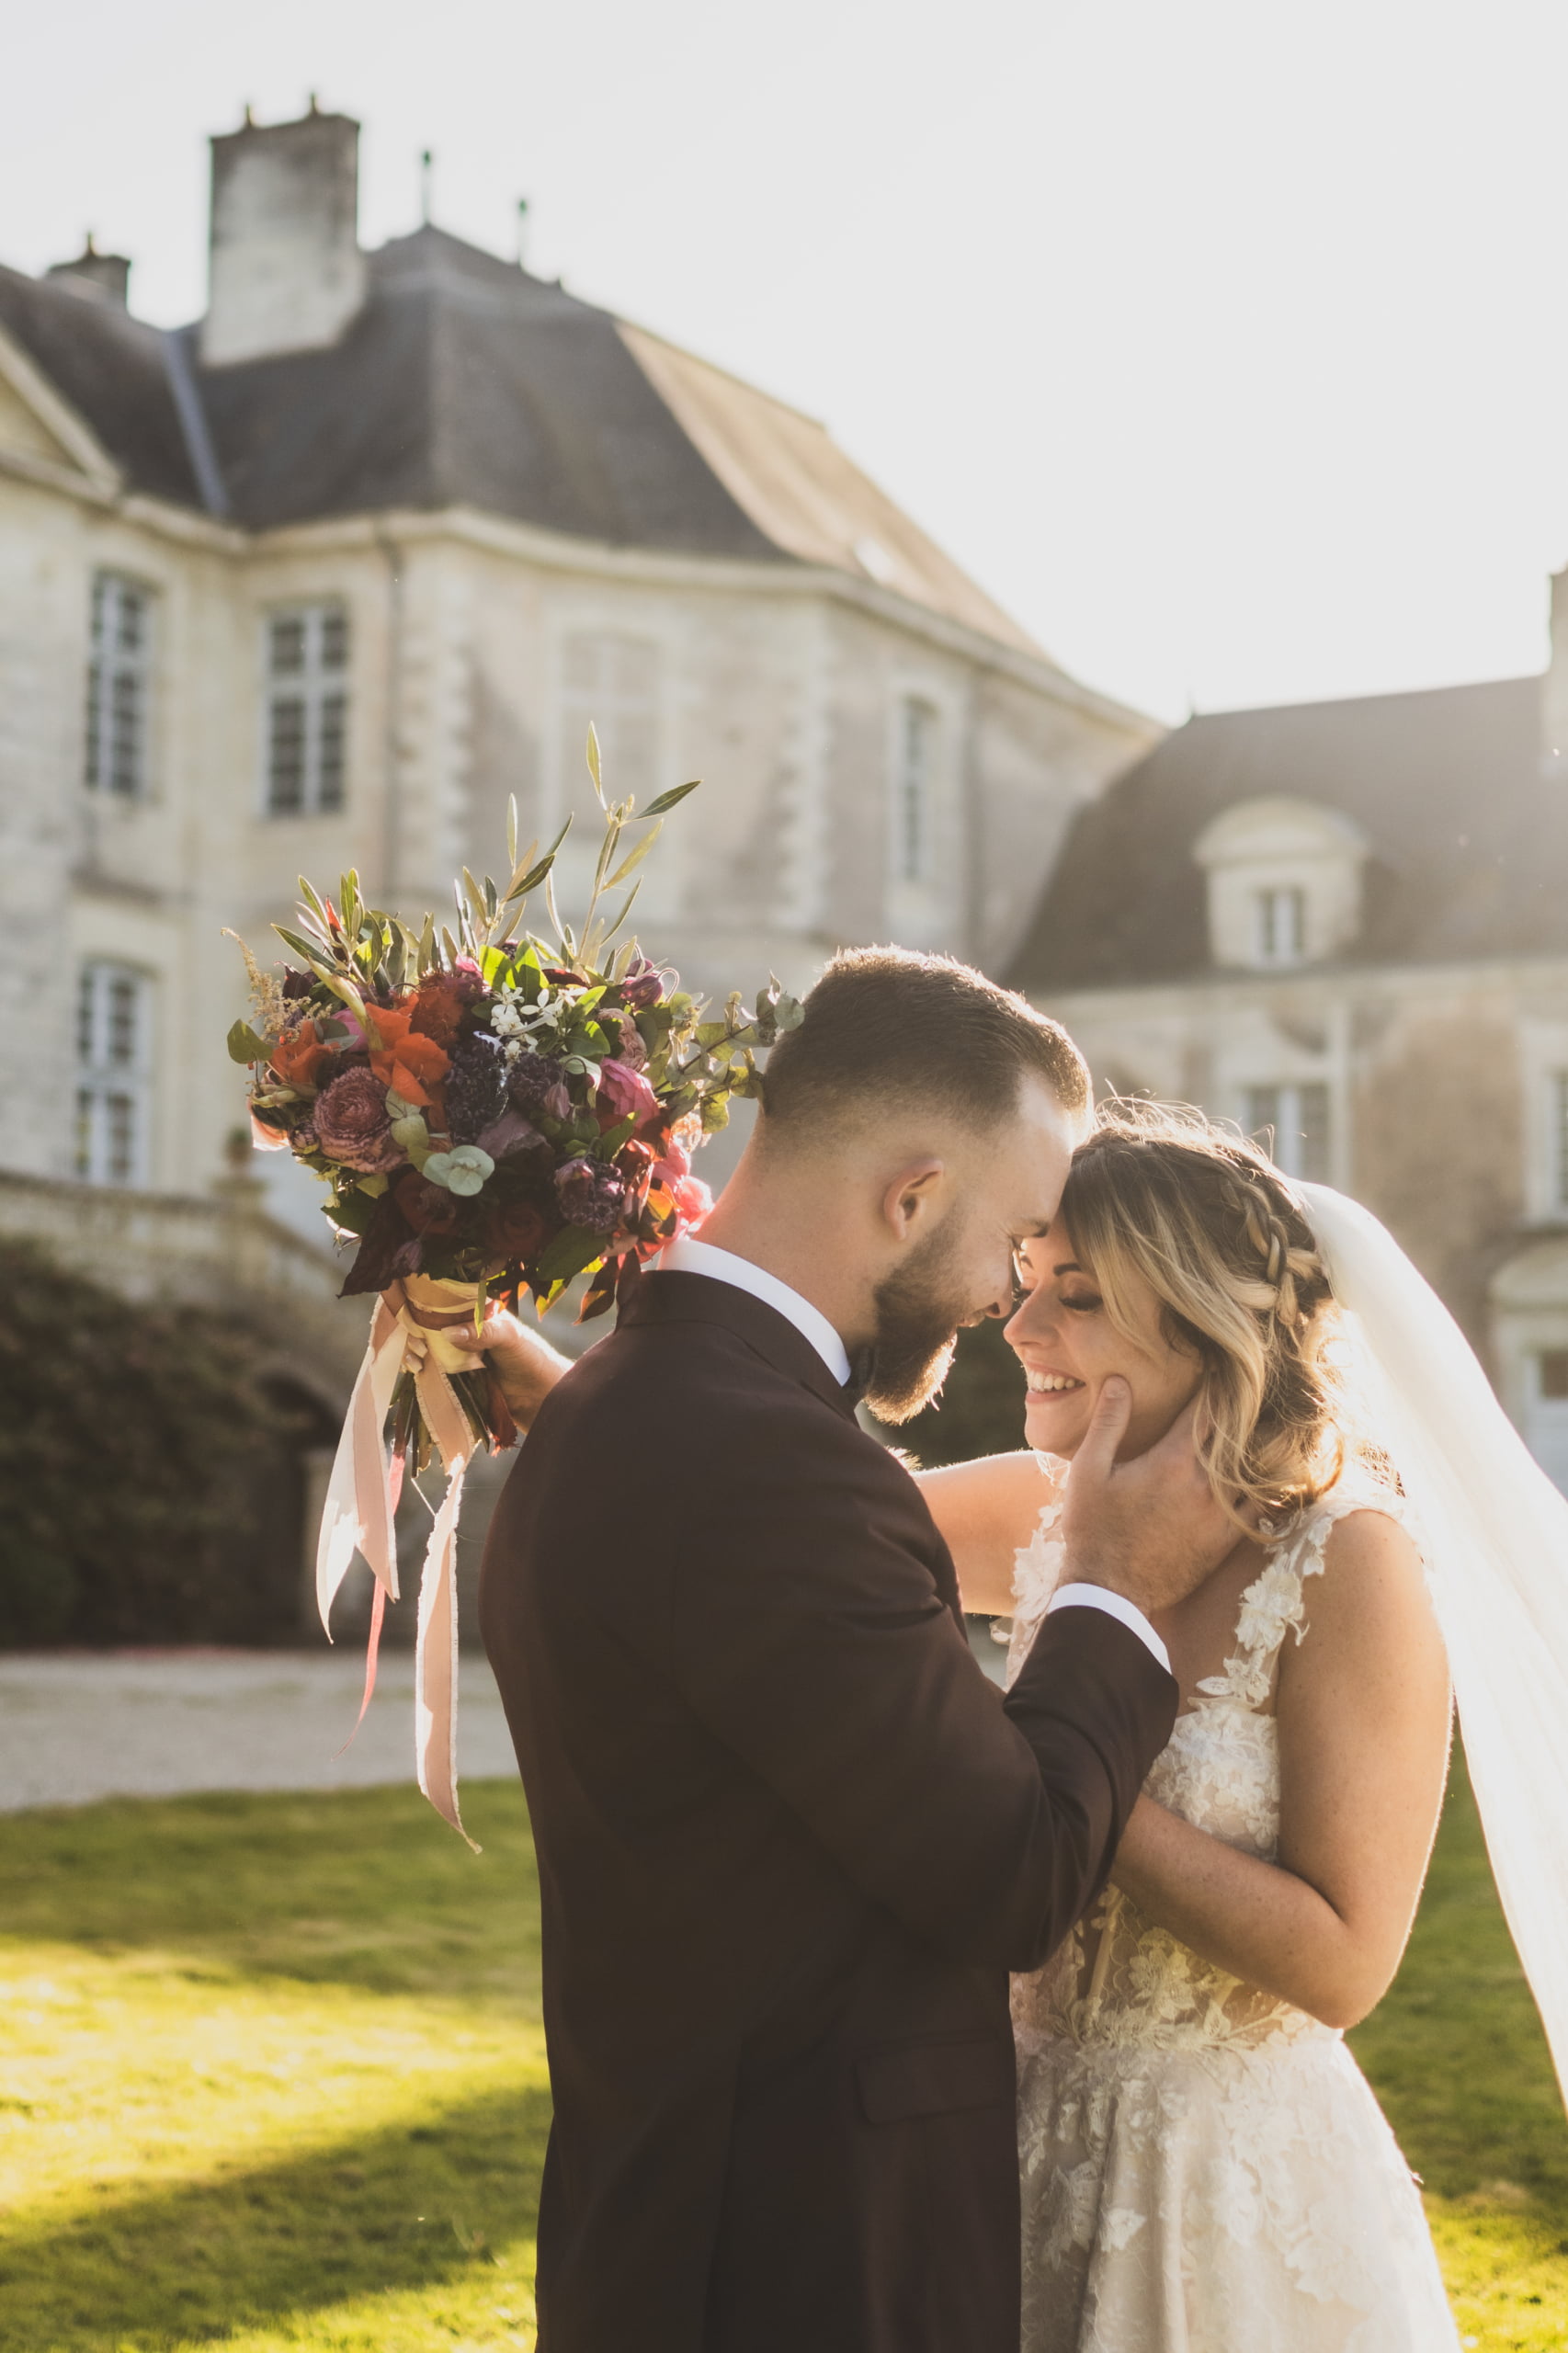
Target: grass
{"type": "Point", "coordinates": [271, 2074]}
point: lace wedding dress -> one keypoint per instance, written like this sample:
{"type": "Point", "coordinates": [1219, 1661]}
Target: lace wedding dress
{"type": "Point", "coordinates": [1204, 2168]}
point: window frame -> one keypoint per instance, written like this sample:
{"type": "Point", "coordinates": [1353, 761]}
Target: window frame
{"type": "Point", "coordinates": [112, 669]}
{"type": "Point", "coordinates": [1272, 952]}
{"type": "Point", "coordinates": [1290, 1123]}
{"type": "Point", "coordinates": [111, 1083]}
{"type": "Point", "coordinates": [318, 690]}
{"type": "Point", "coordinates": [916, 779]}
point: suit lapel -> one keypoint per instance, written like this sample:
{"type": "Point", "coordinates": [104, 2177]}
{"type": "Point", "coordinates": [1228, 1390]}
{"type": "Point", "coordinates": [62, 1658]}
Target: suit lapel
{"type": "Point", "coordinates": [700, 1298]}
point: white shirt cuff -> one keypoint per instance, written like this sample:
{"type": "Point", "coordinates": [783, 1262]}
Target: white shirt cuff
{"type": "Point", "coordinates": [1115, 1605]}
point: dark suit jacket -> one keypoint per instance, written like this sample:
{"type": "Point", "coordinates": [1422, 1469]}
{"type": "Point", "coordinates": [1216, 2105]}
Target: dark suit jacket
{"type": "Point", "coordinates": [790, 1841]}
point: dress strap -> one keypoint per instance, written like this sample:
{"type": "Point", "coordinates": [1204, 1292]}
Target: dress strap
{"type": "Point", "coordinates": [1273, 1605]}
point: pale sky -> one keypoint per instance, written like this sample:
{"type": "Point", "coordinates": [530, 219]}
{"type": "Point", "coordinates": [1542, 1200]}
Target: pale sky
{"type": "Point", "coordinates": [1225, 342]}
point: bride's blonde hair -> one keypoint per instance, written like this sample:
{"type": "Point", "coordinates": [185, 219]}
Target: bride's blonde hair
{"type": "Point", "coordinates": [1159, 1193]}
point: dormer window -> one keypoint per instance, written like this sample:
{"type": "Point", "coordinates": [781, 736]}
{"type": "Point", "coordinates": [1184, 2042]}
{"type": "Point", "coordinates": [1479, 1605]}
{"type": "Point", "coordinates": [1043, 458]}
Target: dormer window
{"type": "Point", "coordinates": [1284, 884]}
{"type": "Point", "coordinates": [1281, 925]}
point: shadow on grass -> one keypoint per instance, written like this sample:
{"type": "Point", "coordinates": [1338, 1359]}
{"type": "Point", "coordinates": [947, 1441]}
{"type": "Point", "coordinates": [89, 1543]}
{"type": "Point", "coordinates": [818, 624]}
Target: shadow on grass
{"type": "Point", "coordinates": [357, 1887]}
{"type": "Point", "coordinates": [398, 2208]}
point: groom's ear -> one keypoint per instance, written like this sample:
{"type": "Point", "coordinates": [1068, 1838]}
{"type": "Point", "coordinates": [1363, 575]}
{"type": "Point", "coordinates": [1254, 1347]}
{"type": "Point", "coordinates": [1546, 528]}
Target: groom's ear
{"type": "Point", "coordinates": [912, 1202]}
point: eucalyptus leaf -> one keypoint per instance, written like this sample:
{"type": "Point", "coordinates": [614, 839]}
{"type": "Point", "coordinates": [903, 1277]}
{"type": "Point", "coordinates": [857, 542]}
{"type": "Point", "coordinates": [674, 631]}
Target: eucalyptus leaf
{"type": "Point", "coordinates": [245, 1046]}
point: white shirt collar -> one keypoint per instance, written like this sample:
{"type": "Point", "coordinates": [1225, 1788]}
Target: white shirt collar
{"type": "Point", "coordinates": [688, 1256]}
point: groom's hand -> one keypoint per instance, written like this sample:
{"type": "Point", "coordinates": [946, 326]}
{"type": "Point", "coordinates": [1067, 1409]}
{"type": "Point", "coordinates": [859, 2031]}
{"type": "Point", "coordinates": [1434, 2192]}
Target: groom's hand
{"type": "Point", "coordinates": [1149, 1529]}
{"type": "Point", "coordinates": [525, 1365]}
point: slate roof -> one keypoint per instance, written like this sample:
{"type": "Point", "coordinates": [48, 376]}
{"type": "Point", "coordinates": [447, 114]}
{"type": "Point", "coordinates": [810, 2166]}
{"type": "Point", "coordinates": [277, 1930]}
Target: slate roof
{"type": "Point", "coordinates": [465, 381]}
{"type": "Point", "coordinates": [1468, 833]}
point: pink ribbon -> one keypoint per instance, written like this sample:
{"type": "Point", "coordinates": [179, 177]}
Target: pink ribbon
{"type": "Point", "coordinates": [359, 1516]}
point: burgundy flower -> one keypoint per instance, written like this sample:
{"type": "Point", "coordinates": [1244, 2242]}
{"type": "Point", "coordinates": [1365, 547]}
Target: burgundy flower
{"type": "Point", "coordinates": [352, 1124]}
{"type": "Point", "coordinates": [517, 1229]}
{"type": "Point", "coordinates": [644, 986]}
{"type": "Point", "coordinates": [537, 1088]}
{"type": "Point", "coordinates": [444, 997]}
{"type": "Point", "coordinates": [476, 1087]}
{"type": "Point", "coordinates": [296, 984]}
{"type": "Point", "coordinates": [428, 1208]}
{"type": "Point", "coordinates": [591, 1194]}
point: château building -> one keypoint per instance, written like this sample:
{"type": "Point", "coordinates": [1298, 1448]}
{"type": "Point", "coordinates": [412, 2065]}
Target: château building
{"type": "Point", "coordinates": [323, 578]}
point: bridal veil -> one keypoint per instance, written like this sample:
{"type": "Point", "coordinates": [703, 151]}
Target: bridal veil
{"type": "Point", "coordinates": [1494, 1530]}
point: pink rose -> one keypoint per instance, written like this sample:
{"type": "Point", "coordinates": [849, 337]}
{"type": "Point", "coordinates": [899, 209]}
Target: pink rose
{"type": "Point", "coordinates": [622, 1089]}
{"type": "Point", "coordinates": [353, 1125]}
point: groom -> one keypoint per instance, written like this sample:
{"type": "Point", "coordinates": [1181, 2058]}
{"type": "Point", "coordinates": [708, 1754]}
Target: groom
{"type": "Point", "coordinates": [790, 1840]}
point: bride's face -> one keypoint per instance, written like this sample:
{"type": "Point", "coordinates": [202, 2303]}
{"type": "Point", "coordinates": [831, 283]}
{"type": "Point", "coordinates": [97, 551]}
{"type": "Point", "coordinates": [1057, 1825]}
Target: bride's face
{"type": "Point", "coordinates": [1069, 1346]}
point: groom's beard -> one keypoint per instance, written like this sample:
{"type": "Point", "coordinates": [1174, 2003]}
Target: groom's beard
{"type": "Point", "coordinates": [919, 1310]}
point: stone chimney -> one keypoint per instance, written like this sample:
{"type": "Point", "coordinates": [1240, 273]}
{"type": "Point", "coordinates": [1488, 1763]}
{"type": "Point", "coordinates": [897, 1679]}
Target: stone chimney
{"type": "Point", "coordinates": [286, 272]}
{"type": "Point", "coordinates": [105, 277]}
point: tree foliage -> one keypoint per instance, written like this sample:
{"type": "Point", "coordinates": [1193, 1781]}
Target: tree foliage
{"type": "Point", "coordinates": [149, 1475]}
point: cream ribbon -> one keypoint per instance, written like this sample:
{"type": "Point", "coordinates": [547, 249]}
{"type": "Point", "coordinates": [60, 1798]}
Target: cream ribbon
{"type": "Point", "coordinates": [361, 1505]}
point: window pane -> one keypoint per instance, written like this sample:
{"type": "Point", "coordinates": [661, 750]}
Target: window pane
{"type": "Point", "coordinates": [1312, 1163]}
{"type": "Point", "coordinates": [1551, 1371]}
{"type": "Point", "coordinates": [329, 749]}
{"type": "Point", "coordinates": [913, 815]}
{"type": "Point", "coordinates": [1263, 1115]}
{"type": "Point", "coordinates": [1560, 1137]}
{"type": "Point", "coordinates": [121, 1168]}
{"type": "Point", "coordinates": [103, 597]}
{"type": "Point", "coordinates": [334, 638]}
{"type": "Point", "coordinates": [286, 756]}
{"type": "Point", "coordinates": [288, 644]}
{"type": "Point", "coordinates": [122, 994]}
{"type": "Point", "coordinates": [132, 617]}
{"type": "Point", "coordinates": [125, 732]}
{"type": "Point", "coordinates": [94, 767]}
{"type": "Point", "coordinates": [86, 1105]}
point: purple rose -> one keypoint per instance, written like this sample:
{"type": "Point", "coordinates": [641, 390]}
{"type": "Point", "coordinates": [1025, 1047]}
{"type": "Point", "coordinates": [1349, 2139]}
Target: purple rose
{"type": "Point", "coordinates": [537, 1087]}
{"type": "Point", "coordinates": [591, 1194]}
{"type": "Point", "coordinates": [352, 1123]}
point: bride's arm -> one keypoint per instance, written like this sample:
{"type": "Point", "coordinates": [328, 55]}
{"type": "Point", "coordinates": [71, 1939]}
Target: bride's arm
{"type": "Point", "coordinates": [986, 1509]}
{"type": "Point", "coordinates": [1364, 1722]}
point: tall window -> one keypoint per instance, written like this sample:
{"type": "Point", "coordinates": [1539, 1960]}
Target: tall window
{"type": "Point", "coordinates": [612, 683]}
{"type": "Point", "coordinates": [1279, 917]}
{"type": "Point", "coordinates": [113, 1074]}
{"type": "Point", "coordinates": [119, 681]}
{"type": "Point", "coordinates": [307, 710]}
{"type": "Point", "coordinates": [1292, 1123]}
{"type": "Point", "coordinates": [914, 790]}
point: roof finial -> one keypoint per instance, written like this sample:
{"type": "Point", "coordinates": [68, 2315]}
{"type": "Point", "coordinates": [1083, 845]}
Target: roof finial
{"type": "Point", "coordinates": [92, 247]}
{"type": "Point", "coordinates": [522, 230]}
{"type": "Point", "coordinates": [314, 107]}
{"type": "Point", "coordinates": [427, 185]}
{"type": "Point", "coordinates": [249, 117]}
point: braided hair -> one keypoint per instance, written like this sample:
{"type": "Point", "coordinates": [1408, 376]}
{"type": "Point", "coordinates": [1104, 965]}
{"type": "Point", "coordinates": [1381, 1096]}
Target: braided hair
{"type": "Point", "coordinates": [1161, 1194]}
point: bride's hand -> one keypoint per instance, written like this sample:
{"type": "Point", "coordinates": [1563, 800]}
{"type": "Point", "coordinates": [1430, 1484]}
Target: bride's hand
{"type": "Point", "coordinates": [1149, 1529]}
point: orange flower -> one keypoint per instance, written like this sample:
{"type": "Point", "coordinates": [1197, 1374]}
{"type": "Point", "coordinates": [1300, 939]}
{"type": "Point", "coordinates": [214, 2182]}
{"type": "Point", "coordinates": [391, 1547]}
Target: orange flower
{"type": "Point", "coordinates": [299, 1057]}
{"type": "Point", "coordinates": [405, 1062]}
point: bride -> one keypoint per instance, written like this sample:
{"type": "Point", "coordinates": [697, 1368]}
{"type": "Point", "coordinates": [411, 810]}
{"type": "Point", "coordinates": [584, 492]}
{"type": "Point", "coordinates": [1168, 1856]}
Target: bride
{"type": "Point", "coordinates": [1204, 2169]}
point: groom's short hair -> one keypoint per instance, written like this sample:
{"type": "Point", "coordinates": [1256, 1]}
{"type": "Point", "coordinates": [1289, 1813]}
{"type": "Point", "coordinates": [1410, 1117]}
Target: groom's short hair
{"type": "Point", "coordinates": [887, 1026]}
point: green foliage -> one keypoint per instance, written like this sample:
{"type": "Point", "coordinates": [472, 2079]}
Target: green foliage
{"type": "Point", "coordinates": [142, 1458]}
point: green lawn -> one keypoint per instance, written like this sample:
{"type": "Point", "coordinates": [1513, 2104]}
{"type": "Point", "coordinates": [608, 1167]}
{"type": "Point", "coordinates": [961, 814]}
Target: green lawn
{"type": "Point", "coordinates": [271, 2072]}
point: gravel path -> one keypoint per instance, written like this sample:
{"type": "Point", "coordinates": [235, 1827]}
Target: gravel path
{"type": "Point", "coordinates": [75, 1726]}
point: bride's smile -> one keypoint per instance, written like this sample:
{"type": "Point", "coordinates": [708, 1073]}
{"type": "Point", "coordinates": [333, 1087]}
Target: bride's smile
{"type": "Point", "coordinates": [1069, 1346]}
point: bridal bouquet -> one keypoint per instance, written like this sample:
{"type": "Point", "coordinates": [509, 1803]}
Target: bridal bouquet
{"type": "Point", "coordinates": [492, 1111]}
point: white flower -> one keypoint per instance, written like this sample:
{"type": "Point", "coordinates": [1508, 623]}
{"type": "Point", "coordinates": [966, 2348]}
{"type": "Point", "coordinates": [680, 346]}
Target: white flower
{"type": "Point", "coordinates": [504, 1019]}
{"type": "Point", "coordinates": [461, 1171]}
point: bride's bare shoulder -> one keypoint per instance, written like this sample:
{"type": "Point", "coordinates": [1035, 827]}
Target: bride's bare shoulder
{"type": "Point", "coordinates": [1371, 1602]}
